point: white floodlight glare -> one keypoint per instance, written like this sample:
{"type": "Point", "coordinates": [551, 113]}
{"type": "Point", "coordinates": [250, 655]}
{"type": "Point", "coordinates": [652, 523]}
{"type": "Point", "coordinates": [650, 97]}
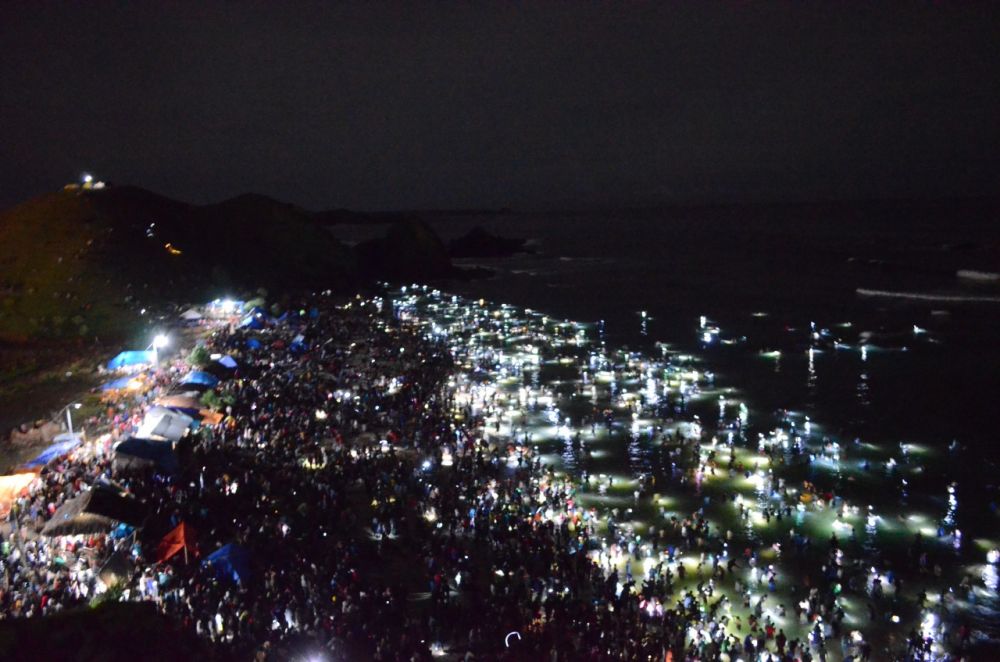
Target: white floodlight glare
{"type": "Point", "coordinates": [160, 341]}
{"type": "Point", "coordinates": [87, 178]}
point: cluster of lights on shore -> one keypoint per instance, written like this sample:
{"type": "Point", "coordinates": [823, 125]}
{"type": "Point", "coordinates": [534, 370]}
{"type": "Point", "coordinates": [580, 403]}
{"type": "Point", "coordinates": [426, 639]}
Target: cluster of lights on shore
{"type": "Point", "coordinates": [528, 419]}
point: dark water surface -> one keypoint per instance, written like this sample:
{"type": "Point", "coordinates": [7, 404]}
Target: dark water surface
{"type": "Point", "coordinates": [763, 280]}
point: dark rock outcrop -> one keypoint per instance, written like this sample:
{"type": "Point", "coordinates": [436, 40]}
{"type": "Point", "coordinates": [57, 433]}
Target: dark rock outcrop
{"type": "Point", "coordinates": [478, 242]}
{"type": "Point", "coordinates": [410, 250]}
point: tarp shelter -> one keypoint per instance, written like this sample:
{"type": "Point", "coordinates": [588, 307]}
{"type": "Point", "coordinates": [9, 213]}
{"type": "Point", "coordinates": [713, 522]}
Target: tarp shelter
{"type": "Point", "coordinates": [200, 378]}
{"type": "Point", "coordinates": [139, 454]}
{"type": "Point", "coordinates": [95, 511]}
{"type": "Point", "coordinates": [185, 404]}
{"type": "Point", "coordinates": [132, 359]}
{"type": "Point", "coordinates": [230, 562]}
{"type": "Point", "coordinates": [163, 423]}
{"type": "Point", "coordinates": [63, 444]}
{"type": "Point", "coordinates": [181, 538]}
{"type": "Point", "coordinates": [191, 315]}
{"type": "Point", "coordinates": [254, 320]}
{"type": "Point", "coordinates": [228, 362]}
{"type": "Point", "coordinates": [11, 487]}
{"type": "Point", "coordinates": [253, 343]}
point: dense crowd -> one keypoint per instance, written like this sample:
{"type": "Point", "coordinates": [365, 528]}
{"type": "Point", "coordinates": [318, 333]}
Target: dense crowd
{"type": "Point", "coordinates": [387, 513]}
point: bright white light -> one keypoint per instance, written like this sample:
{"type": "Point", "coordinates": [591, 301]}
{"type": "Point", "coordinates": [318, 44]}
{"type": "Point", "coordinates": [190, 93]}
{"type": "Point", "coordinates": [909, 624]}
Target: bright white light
{"type": "Point", "coordinates": [160, 341]}
{"type": "Point", "coordinates": [228, 305]}
{"type": "Point", "coordinates": [320, 415]}
{"type": "Point", "coordinates": [87, 178]}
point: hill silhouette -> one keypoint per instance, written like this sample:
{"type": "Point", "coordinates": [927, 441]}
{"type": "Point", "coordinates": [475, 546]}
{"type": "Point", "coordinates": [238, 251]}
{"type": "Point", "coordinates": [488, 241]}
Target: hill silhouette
{"type": "Point", "coordinates": [77, 264]}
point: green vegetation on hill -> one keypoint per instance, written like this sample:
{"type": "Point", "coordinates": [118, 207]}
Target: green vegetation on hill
{"type": "Point", "coordinates": [76, 264]}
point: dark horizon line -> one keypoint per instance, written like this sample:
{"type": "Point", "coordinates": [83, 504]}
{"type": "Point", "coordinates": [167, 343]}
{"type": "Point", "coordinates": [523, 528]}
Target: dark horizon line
{"type": "Point", "coordinates": [698, 203]}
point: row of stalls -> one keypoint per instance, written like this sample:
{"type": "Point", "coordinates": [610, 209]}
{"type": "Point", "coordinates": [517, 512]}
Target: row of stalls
{"type": "Point", "coordinates": [105, 508]}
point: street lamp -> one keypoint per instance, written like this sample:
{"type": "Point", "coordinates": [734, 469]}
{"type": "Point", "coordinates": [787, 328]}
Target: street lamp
{"type": "Point", "coordinates": [69, 415]}
{"type": "Point", "coordinates": [159, 342]}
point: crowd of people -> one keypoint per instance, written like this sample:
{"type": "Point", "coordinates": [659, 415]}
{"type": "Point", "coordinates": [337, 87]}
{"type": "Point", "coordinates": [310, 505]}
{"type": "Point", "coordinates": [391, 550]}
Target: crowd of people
{"type": "Point", "coordinates": [392, 506]}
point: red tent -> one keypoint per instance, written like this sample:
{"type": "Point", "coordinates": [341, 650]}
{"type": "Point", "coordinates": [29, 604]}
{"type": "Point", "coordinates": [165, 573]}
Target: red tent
{"type": "Point", "coordinates": [181, 539]}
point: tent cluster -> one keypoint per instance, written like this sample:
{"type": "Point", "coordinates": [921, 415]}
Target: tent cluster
{"type": "Point", "coordinates": [132, 360]}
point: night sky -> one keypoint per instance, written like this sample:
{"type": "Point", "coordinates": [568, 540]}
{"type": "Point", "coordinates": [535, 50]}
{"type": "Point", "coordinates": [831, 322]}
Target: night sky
{"type": "Point", "coordinates": [538, 105]}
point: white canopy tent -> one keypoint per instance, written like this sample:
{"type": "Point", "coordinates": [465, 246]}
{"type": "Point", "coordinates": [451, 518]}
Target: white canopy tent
{"type": "Point", "coordinates": [163, 424]}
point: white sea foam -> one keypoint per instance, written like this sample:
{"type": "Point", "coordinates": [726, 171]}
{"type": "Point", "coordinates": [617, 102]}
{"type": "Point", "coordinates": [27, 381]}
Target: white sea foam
{"type": "Point", "coordinates": [927, 296]}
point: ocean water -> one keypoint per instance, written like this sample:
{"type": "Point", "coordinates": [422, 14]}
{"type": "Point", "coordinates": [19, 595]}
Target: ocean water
{"type": "Point", "coordinates": [767, 280]}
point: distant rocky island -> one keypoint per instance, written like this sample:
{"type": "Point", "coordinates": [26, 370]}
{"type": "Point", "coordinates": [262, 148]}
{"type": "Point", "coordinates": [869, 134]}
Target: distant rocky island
{"type": "Point", "coordinates": [479, 242]}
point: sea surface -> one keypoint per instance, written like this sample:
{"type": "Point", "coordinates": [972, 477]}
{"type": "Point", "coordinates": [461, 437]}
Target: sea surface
{"type": "Point", "coordinates": [766, 280]}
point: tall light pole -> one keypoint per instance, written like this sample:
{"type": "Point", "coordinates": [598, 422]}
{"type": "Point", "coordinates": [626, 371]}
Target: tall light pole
{"type": "Point", "coordinates": [69, 415]}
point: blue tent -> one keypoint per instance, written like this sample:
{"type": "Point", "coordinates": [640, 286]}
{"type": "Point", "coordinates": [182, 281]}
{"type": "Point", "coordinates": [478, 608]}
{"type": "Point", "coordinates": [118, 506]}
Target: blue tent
{"type": "Point", "coordinates": [64, 443]}
{"type": "Point", "coordinates": [228, 362]}
{"type": "Point", "coordinates": [135, 452]}
{"type": "Point", "coordinates": [230, 561]}
{"type": "Point", "coordinates": [115, 384]}
{"type": "Point", "coordinates": [252, 322]}
{"type": "Point", "coordinates": [200, 378]}
{"type": "Point", "coordinates": [132, 358]}
{"type": "Point", "coordinates": [257, 318]}
{"type": "Point", "coordinates": [253, 343]}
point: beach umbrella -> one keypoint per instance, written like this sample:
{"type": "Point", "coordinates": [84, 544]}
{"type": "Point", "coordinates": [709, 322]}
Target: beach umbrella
{"type": "Point", "coordinates": [97, 510]}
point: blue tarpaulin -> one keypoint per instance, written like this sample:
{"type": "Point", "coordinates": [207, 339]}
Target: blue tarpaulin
{"type": "Point", "coordinates": [253, 343]}
{"type": "Point", "coordinates": [200, 377]}
{"type": "Point", "coordinates": [230, 561]}
{"type": "Point", "coordinates": [64, 443]}
{"type": "Point", "coordinates": [115, 384]}
{"type": "Point", "coordinates": [228, 362]}
{"type": "Point", "coordinates": [142, 452]}
{"type": "Point", "coordinates": [252, 322]}
{"type": "Point", "coordinates": [257, 318]}
{"type": "Point", "coordinates": [132, 358]}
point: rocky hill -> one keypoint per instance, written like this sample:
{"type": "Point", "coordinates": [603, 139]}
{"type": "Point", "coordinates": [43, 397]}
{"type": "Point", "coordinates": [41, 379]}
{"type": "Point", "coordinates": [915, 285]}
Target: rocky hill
{"type": "Point", "coordinates": [79, 264]}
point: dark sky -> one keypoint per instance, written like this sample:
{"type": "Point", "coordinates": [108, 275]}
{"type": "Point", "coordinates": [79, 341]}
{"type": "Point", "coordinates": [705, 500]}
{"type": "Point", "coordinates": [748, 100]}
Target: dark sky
{"type": "Point", "coordinates": [542, 104]}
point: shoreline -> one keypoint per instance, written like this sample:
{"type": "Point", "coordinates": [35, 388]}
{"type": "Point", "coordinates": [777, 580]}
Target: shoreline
{"type": "Point", "coordinates": [622, 481]}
